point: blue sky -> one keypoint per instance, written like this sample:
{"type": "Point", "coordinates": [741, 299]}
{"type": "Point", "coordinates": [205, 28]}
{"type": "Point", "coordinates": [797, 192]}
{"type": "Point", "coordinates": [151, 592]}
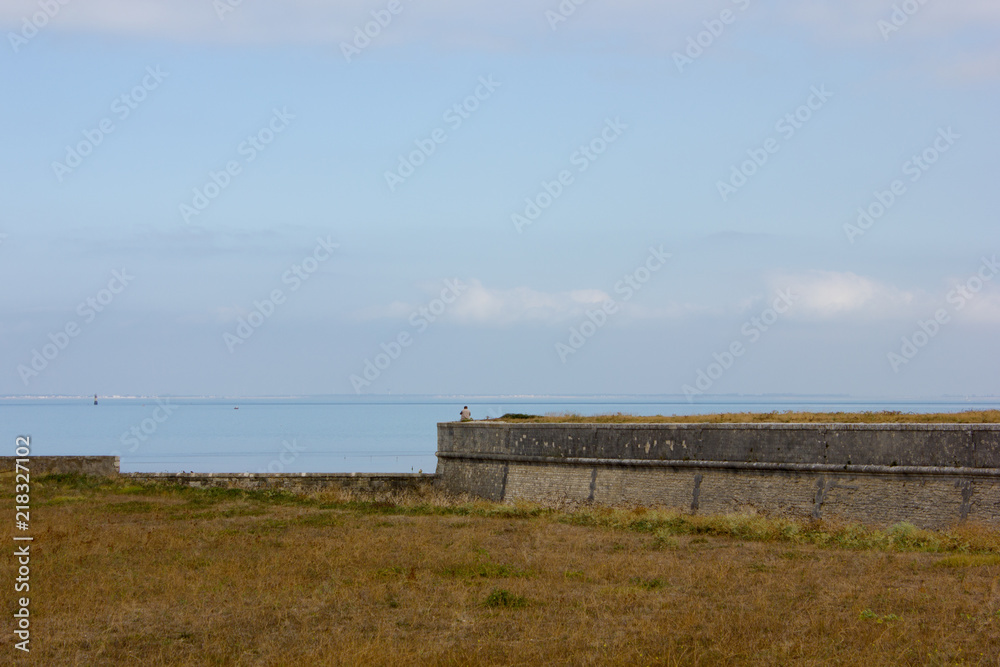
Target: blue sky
{"type": "Point", "coordinates": [642, 138]}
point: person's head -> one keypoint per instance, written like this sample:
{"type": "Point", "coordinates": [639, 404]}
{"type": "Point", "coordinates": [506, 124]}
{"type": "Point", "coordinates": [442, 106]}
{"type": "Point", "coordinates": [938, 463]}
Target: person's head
{"type": "Point", "coordinates": [466, 407]}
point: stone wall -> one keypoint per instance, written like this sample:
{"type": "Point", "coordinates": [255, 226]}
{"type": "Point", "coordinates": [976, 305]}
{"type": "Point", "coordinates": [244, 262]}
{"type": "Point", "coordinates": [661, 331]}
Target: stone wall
{"type": "Point", "coordinates": [930, 475]}
{"type": "Point", "coordinates": [108, 466]}
{"type": "Point", "coordinates": [100, 466]}
{"type": "Point", "coordinates": [295, 482]}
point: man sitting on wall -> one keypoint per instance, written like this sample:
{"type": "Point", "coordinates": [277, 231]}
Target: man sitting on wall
{"type": "Point", "coordinates": [466, 415]}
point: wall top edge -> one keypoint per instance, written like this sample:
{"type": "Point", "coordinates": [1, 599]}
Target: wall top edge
{"type": "Point", "coordinates": [281, 475]}
{"type": "Point", "coordinates": [61, 457]}
{"type": "Point", "coordinates": [812, 426]}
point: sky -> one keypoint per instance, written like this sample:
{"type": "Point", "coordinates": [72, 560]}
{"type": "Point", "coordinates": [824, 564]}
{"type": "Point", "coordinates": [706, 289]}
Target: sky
{"type": "Point", "coordinates": [530, 197]}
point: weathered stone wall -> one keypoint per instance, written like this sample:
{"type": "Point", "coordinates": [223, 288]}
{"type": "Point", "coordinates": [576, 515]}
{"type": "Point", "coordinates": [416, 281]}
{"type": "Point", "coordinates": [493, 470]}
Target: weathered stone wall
{"type": "Point", "coordinates": [929, 475]}
{"type": "Point", "coordinates": [108, 466]}
{"type": "Point", "coordinates": [100, 466]}
{"type": "Point", "coordinates": [295, 482]}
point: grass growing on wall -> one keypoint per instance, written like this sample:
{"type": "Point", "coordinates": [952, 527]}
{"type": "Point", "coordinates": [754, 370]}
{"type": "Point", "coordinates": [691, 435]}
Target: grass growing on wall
{"type": "Point", "coordinates": [159, 574]}
{"type": "Point", "coordinates": [788, 417]}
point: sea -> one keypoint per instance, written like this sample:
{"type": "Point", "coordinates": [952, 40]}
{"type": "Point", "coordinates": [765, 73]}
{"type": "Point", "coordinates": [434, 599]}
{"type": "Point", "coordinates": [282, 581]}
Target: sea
{"type": "Point", "coordinates": [339, 433]}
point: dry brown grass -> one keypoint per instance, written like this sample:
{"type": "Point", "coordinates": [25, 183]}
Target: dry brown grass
{"type": "Point", "coordinates": [160, 575]}
{"type": "Point", "coordinates": [788, 417]}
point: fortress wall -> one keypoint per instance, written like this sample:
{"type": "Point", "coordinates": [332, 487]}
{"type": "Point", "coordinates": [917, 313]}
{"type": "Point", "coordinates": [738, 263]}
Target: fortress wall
{"type": "Point", "coordinates": [929, 475]}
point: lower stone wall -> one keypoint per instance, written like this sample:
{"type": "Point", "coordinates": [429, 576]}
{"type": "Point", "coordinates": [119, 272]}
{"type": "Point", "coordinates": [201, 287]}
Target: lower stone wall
{"type": "Point", "coordinates": [294, 482]}
{"type": "Point", "coordinates": [108, 466]}
{"type": "Point", "coordinates": [925, 500]}
{"type": "Point", "coordinates": [100, 466]}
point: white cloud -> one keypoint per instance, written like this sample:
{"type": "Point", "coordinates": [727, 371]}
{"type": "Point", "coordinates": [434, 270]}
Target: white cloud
{"type": "Point", "coordinates": [648, 26]}
{"type": "Point", "coordinates": [627, 24]}
{"type": "Point", "coordinates": [984, 307]}
{"type": "Point", "coordinates": [952, 40]}
{"type": "Point", "coordinates": [818, 296]}
{"type": "Point", "coordinates": [480, 25]}
{"type": "Point", "coordinates": [826, 295]}
{"type": "Point", "coordinates": [831, 294]}
{"type": "Point", "coordinates": [479, 304]}
{"type": "Point", "coordinates": [965, 27]}
{"type": "Point", "coordinates": [975, 297]}
{"type": "Point", "coordinates": [485, 306]}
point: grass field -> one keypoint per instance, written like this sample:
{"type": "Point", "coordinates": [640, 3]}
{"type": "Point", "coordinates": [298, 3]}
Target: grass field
{"type": "Point", "coordinates": [168, 575]}
{"type": "Point", "coordinates": [789, 417]}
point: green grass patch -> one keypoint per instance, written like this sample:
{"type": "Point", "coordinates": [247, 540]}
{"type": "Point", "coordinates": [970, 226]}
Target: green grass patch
{"type": "Point", "coordinates": [647, 584]}
{"type": "Point", "coordinates": [663, 524]}
{"type": "Point", "coordinates": [786, 417]}
{"type": "Point", "coordinates": [968, 560]}
{"type": "Point", "coordinates": [869, 615]}
{"type": "Point", "coordinates": [501, 598]}
{"type": "Point", "coordinates": [662, 539]}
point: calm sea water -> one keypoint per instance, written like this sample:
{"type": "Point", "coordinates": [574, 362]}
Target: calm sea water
{"type": "Point", "coordinates": [332, 434]}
